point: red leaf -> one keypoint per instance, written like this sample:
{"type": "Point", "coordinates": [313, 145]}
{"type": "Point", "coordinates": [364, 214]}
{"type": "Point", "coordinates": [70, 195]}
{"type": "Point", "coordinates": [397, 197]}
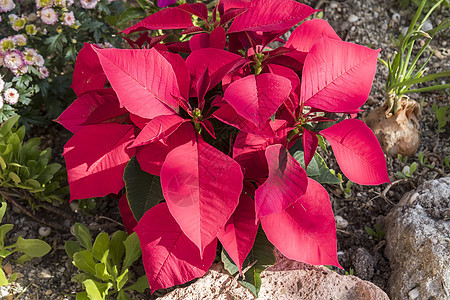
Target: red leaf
{"type": "Point", "coordinates": [310, 142]}
{"type": "Point", "coordinates": [257, 98]}
{"type": "Point", "coordinates": [199, 41]}
{"type": "Point", "coordinates": [181, 71]}
{"type": "Point", "coordinates": [169, 257]}
{"type": "Point", "coordinates": [217, 38]}
{"type": "Point", "coordinates": [306, 230]}
{"type": "Point", "coordinates": [202, 187]}
{"type": "Point", "coordinates": [96, 157]}
{"type": "Point", "coordinates": [270, 15]}
{"type": "Point", "coordinates": [337, 76]}
{"type": "Point", "coordinates": [128, 219]}
{"type": "Point", "coordinates": [169, 18]}
{"type": "Point", "coordinates": [248, 151]}
{"type": "Point", "coordinates": [88, 74]}
{"type": "Point", "coordinates": [108, 112]}
{"type": "Point", "coordinates": [197, 9]}
{"type": "Point", "coordinates": [158, 128]}
{"type": "Point", "coordinates": [143, 80]}
{"type": "Point", "coordinates": [287, 181]}
{"type": "Point", "coordinates": [291, 75]}
{"type": "Point", "coordinates": [211, 58]}
{"type": "Point", "coordinates": [151, 156]}
{"type": "Point", "coordinates": [357, 152]}
{"type": "Point", "coordinates": [239, 233]}
{"type": "Point", "coordinates": [74, 117]}
{"type": "Point", "coordinates": [308, 33]}
{"type": "Point", "coordinates": [229, 116]}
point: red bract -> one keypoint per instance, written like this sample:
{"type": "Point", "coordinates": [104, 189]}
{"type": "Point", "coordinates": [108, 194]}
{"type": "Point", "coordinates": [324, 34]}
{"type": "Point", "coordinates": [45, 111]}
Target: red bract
{"type": "Point", "coordinates": [222, 135]}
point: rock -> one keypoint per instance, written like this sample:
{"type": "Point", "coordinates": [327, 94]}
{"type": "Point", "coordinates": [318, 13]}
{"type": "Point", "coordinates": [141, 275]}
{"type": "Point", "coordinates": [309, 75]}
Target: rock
{"type": "Point", "coordinates": [341, 223]}
{"type": "Point", "coordinates": [45, 274]}
{"type": "Point", "coordinates": [364, 264]}
{"type": "Point", "coordinates": [418, 242]}
{"type": "Point", "coordinates": [352, 18]}
{"type": "Point", "coordinates": [287, 279]}
{"type": "Point", "coordinates": [8, 269]}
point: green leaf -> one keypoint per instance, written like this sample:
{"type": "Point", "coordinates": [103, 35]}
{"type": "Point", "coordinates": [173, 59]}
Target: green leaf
{"type": "Point", "coordinates": [132, 250]}
{"type": "Point", "coordinates": [260, 258]}
{"type": "Point", "coordinates": [116, 247]}
{"type": "Point", "coordinates": [143, 189]}
{"type": "Point", "coordinates": [123, 295]}
{"type": "Point", "coordinates": [14, 177]}
{"type": "Point", "coordinates": [101, 245]}
{"type": "Point", "coordinates": [8, 125]}
{"type": "Point", "coordinates": [24, 258]}
{"type": "Point", "coordinates": [3, 279]}
{"type": "Point", "coordinates": [14, 140]}
{"type": "Point", "coordinates": [48, 173]}
{"type": "Point", "coordinates": [313, 168]}
{"type": "Point", "coordinates": [33, 184]}
{"type": "Point", "coordinates": [72, 248]}
{"type": "Point", "coordinates": [83, 235]}
{"type": "Point", "coordinates": [92, 290]}
{"type": "Point", "coordinates": [139, 286]}
{"type": "Point", "coordinates": [2, 163]}
{"type": "Point", "coordinates": [122, 280]}
{"type": "Point", "coordinates": [129, 15]}
{"type": "Point", "coordinates": [4, 229]}
{"type": "Point", "coordinates": [84, 261]}
{"type": "Point", "coordinates": [4, 253]}
{"type": "Point", "coordinates": [82, 296]}
{"type": "Point", "coordinates": [2, 211]}
{"type": "Point", "coordinates": [33, 247]}
{"type": "Point", "coordinates": [101, 272]}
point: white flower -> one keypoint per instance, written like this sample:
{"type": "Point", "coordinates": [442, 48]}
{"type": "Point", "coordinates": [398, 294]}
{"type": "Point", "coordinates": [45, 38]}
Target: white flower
{"type": "Point", "coordinates": [19, 23]}
{"type": "Point", "coordinates": [49, 16]}
{"type": "Point", "coordinates": [44, 72]}
{"type": "Point", "coordinates": [6, 5]}
{"type": "Point", "coordinates": [69, 19]}
{"type": "Point", "coordinates": [6, 44]}
{"type": "Point", "coordinates": [1, 102]}
{"type": "Point", "coordinates": [39, 60]}
{"type": "Point", "coordinates": [88, 4]}
{"type": "Point", "coordinates": [11, 96]}
{"type": "Point", "coordinates": [13, 60]}
{"type": "Point", "coordinates": [2, 84]}
{"type": "Point", "coordinates": [20, 71]}
{"type": "Point", "coordinates": [20, 40]}
{"type": "Point", "coordinates": [29, 56]}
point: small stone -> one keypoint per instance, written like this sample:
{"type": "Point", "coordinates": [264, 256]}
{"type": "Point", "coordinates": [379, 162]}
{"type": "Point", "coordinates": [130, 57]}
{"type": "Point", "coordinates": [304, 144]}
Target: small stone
{"type": "Point", "coordinates": [334, 5]}
{"type": "Point", "coordinates": [9, 297]}
{"type": "Point", "coordinates": [16, 209]}
{"type": "Point", "coordinates": [427, 26]}
{"type": "Point", "coordinates": [74, 206]}
{"type": "Point", "coordinates": [352, 18]}
{"type": "Point", "coordinates": [414, 293]}
{"type": "Point", "coordinates": [341, 223]}
{"type": "Point", "coordinates": [405, 170]}
{"type": "Point", "coordinates": [20, 275]}
{"type": "Point", "coordinates": [48, 292]}
{"type": "Point", "coordinates": [8, 268]}
{"type": "Point", "coordinates": [396, 17]}
{"type": "Point", "coordinates": [45, 274]}
{"type": "Point", "coordinates": [45, 231]}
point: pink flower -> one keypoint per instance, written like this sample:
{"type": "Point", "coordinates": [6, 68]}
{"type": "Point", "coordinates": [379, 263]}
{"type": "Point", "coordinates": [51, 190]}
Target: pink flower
{"type": "Point", "coordinates": [39, 60]}
{"type": "Point", "coordinates": [11, 96]}
{"type": "Point", "coordinates": [49, 16]}
{"type": "Point", "coordinates": [29, 56]}
{"type": "Point", "coordinates": [2, 84]}
{"type": "Point", "coordinates": [88, 4]}
{"type": "Point", "coordinates": [6, 5]}
{"type": "Point", "coordinates": [1, 102]}
{"type": "Point", "coordinates": [13, 60]}
{"type": "Point", "coordinates": [20, 71]}
{"type": "Point", "coordinates": [69, 19]}
{"type": "Point", "coordinates": [20, 40]}
{"type": "Point", "coordinates": [44, 72]}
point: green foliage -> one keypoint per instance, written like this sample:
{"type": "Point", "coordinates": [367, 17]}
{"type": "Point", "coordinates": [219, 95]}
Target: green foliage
{"type": "Point", "coordinates": [403, 4]}
{"type": "Point", "coordinates": [351, 271]}
{"type": "Point", "coordinates": [403, 69]}
{"type": "Point", "coordinates": [442, 116]}
{"type": "Point", "coordinates": [260, 258]}
{"type": "Point", "coordinates": [24, 166]}
{"type": "Point", "coordinates": [29, 247]}
{"type": "Point", "coordinates": [377, 232]}
{"type": "Point", "coordinates": [104, 263]}
{"type": "Point", "coordinates": [407, 171]}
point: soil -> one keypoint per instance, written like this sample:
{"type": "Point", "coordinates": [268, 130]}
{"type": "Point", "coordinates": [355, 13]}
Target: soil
{"type": "Point", "coordinates": [373, 23]}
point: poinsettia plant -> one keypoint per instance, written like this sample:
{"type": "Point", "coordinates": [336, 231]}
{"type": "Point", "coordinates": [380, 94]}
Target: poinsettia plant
{"type": "Point", "coordinates": [213, 137]}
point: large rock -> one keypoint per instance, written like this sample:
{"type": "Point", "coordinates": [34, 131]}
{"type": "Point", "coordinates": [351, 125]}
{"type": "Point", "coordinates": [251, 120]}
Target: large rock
{"type": "Point", "coordinates": [285, 280]}
{"type": "Point", "coordinates": [418, 243]}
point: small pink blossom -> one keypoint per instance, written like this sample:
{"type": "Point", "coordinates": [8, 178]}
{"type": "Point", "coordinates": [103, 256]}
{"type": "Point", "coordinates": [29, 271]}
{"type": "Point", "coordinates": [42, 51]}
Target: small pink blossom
{"type": "Point", "coordinates": [13, 60]}
{"type": "Point", "coordinates": [69, 19]}
{"type": "Point", "coordinates": [20, 71]}
{"type": "Point", "coordinates": [6, 5]}
{"type": "Point", "coordinates": [20, 40]}
{"type": "Point", "coordinates": [88, 4]}
{"type": "Point", "coordinates": [44, 72]}
{"type": "Point", "coordinates": [49, 16]}
{"type": "Point", "coordinates": [11, 96]}
{"type": "Point", "coordinates": [2, 84]}
{"type": "Point", "coordinates": [1, 102]}
{"type": "Point", "coordinates": [39, 60]}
